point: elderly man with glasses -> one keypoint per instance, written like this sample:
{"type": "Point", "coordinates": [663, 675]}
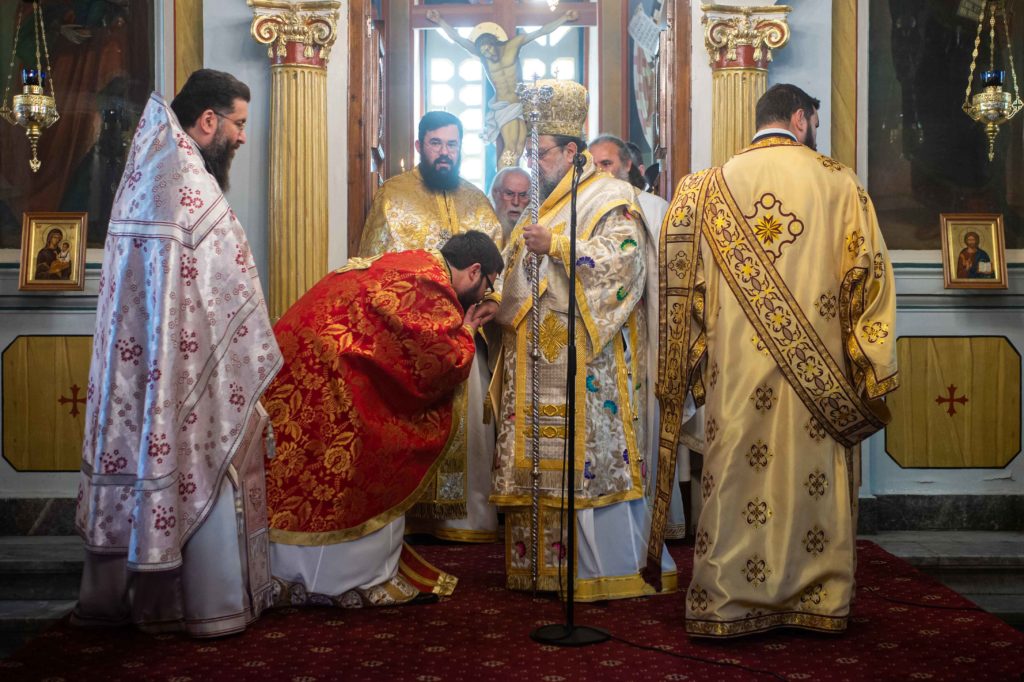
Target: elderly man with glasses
{"type": "Point", "coordinates": [510, 193]}
{"type": "Point", "coordinates": [422, 209]}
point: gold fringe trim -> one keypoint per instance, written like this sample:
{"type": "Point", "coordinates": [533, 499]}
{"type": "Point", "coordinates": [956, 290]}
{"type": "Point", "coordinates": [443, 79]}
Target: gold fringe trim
{"type": "Point", "coordinates": [747, 626]}
{"type": "Point", "coordinates": [465, 535]}
{"type": "Point", "coordinates": [622, 587]}
{"type": "Point", "coordinates": [438, 511]}
{"type": "Point", "coordinates": [594, 589]}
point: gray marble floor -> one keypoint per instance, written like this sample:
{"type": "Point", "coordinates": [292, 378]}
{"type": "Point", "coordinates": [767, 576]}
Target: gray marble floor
{"type": "Point", "coordinates": [951, 547]}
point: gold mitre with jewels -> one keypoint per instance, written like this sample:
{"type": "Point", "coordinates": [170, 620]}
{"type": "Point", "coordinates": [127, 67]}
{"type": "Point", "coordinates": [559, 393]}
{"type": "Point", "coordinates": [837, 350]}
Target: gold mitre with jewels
{"type": "Point", "coordinates": [563, 112]}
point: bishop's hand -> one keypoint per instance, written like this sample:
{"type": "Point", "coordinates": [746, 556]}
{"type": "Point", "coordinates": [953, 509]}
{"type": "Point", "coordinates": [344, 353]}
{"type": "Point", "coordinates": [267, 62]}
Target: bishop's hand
{"type": "Point", "coordinates": [537, 238]}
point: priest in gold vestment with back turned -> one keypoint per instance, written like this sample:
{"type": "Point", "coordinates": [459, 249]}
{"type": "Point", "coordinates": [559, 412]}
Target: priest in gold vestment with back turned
{"type": "Point", "coordinates": [777, 311]}
{"type": "Point", "coordinates": [422, 209]}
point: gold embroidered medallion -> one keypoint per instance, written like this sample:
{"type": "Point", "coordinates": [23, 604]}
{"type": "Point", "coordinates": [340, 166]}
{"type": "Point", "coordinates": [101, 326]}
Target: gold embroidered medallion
{"type": "Point", "coordinates": [553, 337]}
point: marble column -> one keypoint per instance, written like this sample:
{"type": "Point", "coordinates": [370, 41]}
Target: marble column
{"type": "Point", "coordinates": [299, 36]}
{"type": "Point", "coordinates": [739, 41]}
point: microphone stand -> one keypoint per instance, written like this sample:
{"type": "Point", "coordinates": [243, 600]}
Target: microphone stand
{"type": "Point", "coordinates": [571, 634]}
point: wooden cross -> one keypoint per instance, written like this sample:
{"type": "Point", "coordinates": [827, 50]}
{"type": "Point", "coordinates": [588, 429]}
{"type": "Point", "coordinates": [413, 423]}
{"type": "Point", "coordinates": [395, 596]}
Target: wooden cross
{"type": "Point", "coordinates": [74, 399]}
{"type": "Point", "coordinates": [952, 392]}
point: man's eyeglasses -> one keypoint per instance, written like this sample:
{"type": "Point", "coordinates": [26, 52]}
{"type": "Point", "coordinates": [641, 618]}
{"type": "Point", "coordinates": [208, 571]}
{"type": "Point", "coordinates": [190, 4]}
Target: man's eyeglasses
{"type": "Point", "coordinates": [544, 152]}
{"type": "Point", "coordinates": [239, 125]}
{"type": "Point", "coordinates": [436, 145]}
{"type": "Point", "coordinates": [490, 284]}
{"type": "Point", "coordinates": [510, 195]}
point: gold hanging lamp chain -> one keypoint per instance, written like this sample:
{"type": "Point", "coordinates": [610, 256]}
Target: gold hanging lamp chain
{"type": "Point", "coordinates": [992, 38]}
{"type": "Point", "coordinates": [974, 59]}
{"type": "Point", "coordinates": [5, 106]}
{"type": "Point", "coordinates": [37, 19]}
{"type": "Point", "coordinates": [49, 71]}
{"type": "Point", "coordinates": [1017, 104]}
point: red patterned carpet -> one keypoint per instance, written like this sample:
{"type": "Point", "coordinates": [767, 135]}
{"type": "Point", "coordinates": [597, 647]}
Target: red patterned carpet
{"type": "Point", "coordinates": [905, 626]}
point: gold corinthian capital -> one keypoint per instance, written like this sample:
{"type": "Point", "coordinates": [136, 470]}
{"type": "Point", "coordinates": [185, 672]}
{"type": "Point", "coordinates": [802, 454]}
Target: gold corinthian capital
{"type": "Point", "coordinates": [298, 36]}
{"type": "Point", "coordinates": [739, 41]}
{"type": "Point", "coordinates": [287, 27]}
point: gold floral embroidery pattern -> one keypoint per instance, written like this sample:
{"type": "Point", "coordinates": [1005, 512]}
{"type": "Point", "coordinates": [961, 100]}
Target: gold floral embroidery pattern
{"type": "Point", "coordinates": [701, 543]}
{"type": "Point", "coordinates": [813, 595]}
{"type": "Point", "coordinates": [675, 312]}
{"type": "Point", "coordinates": [764, 398]}
{"type": "Point", "coordinates": [863, 196]}
{"type": "Point", "coordinates": [553, 337]}
{"type": "Point", "coordinates": [757, 512]}
{"type": "Point", "coordinates": [830, 163]}
{"type": "Point", "coordinates": [711, 430]}
{"type": "Point", "coordinates": [759, 345]}
{"type": "Point", "coordinates": [699, 599]}
{"type": "Point", "coordinates": [854, 241]}
{"type": "Point", "coordinates": [814, 542]}
{"type": "Point", "coordinates": [826, 305]}
{"type": "Point", "coordinates": [680, 265]}
{"type": "Point", "coordinates": [756, 571]}
{"type": "Point", "coordinates": [879, 266]}
{"type": "Point", "coordinates": [767, 229]}
{"type": "Point", "coordinates": [759, 456]}
{"type": "Point", "coordinates": [875, 332]}
{"type": "Point", "coordinates": [815, 430]}
{"type": "Point", "coordinates": [707, 485]}
{"type": "Point", "coordinates": [773, 226]}
{"type": "Point", "coordinates": [714, 374]}
{"type": "Point", "coordinates": [737, 250]}
{"type": "Point", "coordinates": [816, 484]}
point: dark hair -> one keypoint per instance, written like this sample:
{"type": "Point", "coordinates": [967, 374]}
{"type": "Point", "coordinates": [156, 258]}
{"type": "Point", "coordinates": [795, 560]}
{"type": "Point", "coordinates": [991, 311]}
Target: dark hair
{"type": "Point", "coordinates": [624, 155]}
{"type": "Point", "coordinates": [634, 151]}
{"type": "Point", "coordinates": [470, 247]}
{"type": "Point", "coordinates": [207, 89]}
{"type": "Point", "coordinates": [487, 38]}
{"type": "Point", "coordinates": [636, 177]}
{"type": "Point", "coordinates": [780, 102]}
{"type": "Point", "coordinates": [562, 140]}
{"type": "Point", "coordinates": [432, 120]}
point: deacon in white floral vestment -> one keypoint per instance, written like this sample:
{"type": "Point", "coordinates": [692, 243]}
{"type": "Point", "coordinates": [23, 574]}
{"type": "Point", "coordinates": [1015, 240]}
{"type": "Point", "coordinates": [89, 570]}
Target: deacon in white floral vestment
{"type": "Point", "coordinates": [171, 503]}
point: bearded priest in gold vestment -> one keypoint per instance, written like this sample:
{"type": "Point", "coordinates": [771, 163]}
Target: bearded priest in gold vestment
{"type": "Point", "coordinates": [422, 209]}
{"type": "Point", "coordinates": [777, 312]}
{"type": "Point", "coordinates": [611, 343]}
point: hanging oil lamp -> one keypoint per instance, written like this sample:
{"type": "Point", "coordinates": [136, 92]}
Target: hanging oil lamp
{"type": "Point", "coordinates": [994, 105]}
{"type": "Point", "coordinates": [34, 109]}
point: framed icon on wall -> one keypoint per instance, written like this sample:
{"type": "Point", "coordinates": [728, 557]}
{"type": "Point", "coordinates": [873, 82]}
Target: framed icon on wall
{"type": "Point", "coordinates": [973, 251]}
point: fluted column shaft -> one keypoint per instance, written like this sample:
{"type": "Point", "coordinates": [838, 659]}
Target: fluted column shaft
{"type": "Point", "coordinates": [299, 36]}
{"type": "Point", "coordinates": [739, 41]}
{"type": "Point", "coordinates": [734, 95]}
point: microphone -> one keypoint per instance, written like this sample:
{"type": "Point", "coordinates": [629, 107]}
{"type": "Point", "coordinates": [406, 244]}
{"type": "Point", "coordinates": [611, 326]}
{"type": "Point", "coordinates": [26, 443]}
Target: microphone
{"type": "Point", "coordinates": [579, 161]}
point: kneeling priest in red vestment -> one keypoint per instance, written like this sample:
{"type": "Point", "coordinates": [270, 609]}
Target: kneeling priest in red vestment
{"type": "Point", "coordinates": [362, 410]}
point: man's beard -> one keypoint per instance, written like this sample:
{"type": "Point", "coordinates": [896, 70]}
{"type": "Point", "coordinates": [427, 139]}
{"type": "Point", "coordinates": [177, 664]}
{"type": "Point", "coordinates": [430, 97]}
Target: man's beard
{"type": "Point", "coordinates": [218, 156]}
{"type": "Point", "coordinates": [467, 301]}
{"type": "Point", "coordinates": [547, 184]}
{"type": "Point", "coordinates": [809, 139]}
{"type": "Point", "coordinates": [440, 180]}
